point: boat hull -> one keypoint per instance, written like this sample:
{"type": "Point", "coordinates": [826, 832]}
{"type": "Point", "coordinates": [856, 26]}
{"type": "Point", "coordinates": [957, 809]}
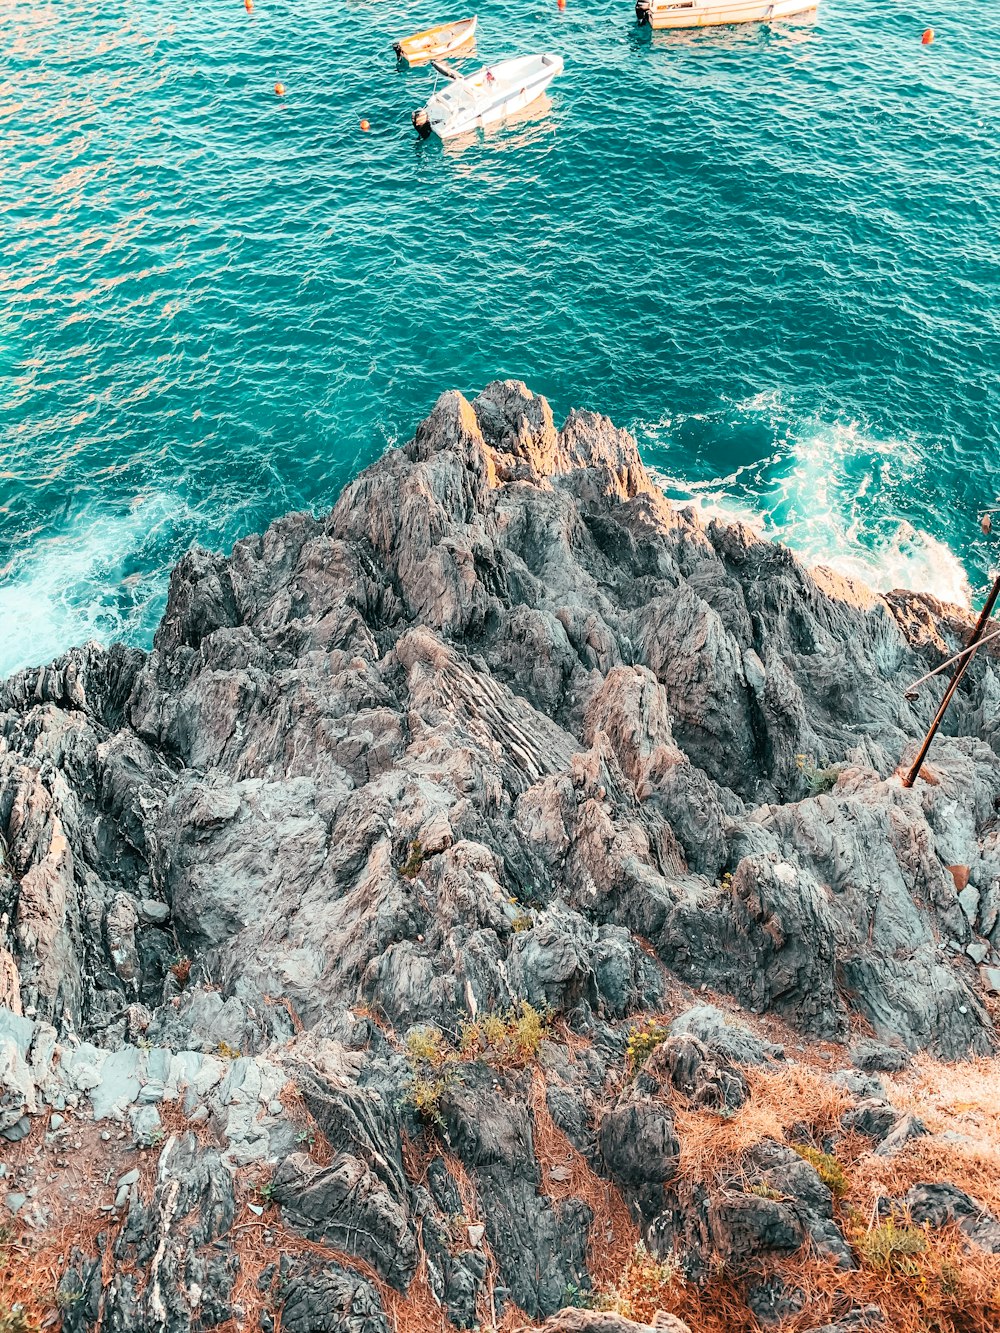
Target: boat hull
{"type": "Point", "coordinates": [479, 101]}
{"type": "Point", "coordinates": [663, 14]}
{"type": "Point", "coordinates": [436, 43]}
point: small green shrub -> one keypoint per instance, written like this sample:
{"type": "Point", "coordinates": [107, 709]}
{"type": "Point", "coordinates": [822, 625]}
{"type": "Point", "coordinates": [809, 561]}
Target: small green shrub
{"type": "Point", "coordinates": [890, 1247]}
{"type": "Point", "coordinates": [414, 862]}
{"type": "Point", "coordinates": [643, 1288]}
{"type": "Point", "coordinates": [817, 780]}
{"type": "Point", "coordinates": [15, 1319]}
{"type": "Point", "coordinates": [764, 1191]}
{"type": "Point", "coordinates": [509, 1040]}
{"type": "Point", "coordinates": [424, 1093]}
{"type": "Point", "coordinates": [826, 1167]}
{"type": "Point", "coordinates": [642, 1042]}
{"type": "Point", "coordinates": [426, 1046]}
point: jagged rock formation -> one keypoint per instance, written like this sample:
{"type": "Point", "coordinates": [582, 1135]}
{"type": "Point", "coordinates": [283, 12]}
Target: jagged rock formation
{"type": "Point", "coordinates": [504, 726]}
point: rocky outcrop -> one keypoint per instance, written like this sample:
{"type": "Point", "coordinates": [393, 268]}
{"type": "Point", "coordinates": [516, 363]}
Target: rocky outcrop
{"type": "Point", "coordinates": [504, 726]}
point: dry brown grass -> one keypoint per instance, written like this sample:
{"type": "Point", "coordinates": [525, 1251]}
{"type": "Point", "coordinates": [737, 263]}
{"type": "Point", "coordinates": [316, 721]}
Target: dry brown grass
{"type": "Point", "coordinates": [613, 1234]}
{"type": "Point", "coordinates": [713, 1145]}
{"type": "Point", "coordinates": [938, 1284]}
{"type": "Point", "coordinates": [311, 1138]}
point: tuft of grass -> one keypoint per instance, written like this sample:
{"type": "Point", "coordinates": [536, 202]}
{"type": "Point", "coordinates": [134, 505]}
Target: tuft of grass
{"type": "Point", "coordinates": [15, 1319]}
{"type": "Point", "coordinates": [522, 922]}
{"type": "Point", "coordinates": [228, 1052]}
{"type": "Point", "coordinates": [414, 862]}
{"type": "Point", "coordinates": [507, 1041]}
{"type": "Point", "coordinates": [643, 1288]}
{"type": "Point", "coordinates": [642, 1042]}
{"type": "Point", "coordinates": [818, 780]}
{"type": "Point", "coordinates": [426, 1045]}
{"type": "Point", "coordinates": [180, 968]}
{"type": "Point", "coordinates": [890, 1247]}
{"type": "Point", "coordinates": [764, 1191]}
{"type": "Point", "coordinates": [827, 1168]}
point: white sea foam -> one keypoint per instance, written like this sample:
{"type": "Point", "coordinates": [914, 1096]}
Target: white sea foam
{"type": "Point", "coordinates": [102, 576]}
{"type": "Point", "coordinates": [832, 494]}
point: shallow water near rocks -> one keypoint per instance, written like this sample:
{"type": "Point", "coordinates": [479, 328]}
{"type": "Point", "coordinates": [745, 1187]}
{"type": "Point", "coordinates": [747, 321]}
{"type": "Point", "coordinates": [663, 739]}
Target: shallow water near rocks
{"type": "Point", "coordinates": [770, 251]}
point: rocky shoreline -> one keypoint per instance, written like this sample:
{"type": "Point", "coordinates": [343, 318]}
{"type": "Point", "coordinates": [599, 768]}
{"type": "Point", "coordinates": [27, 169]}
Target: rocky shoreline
{"type": "Point", "coordinates": [494, 897]}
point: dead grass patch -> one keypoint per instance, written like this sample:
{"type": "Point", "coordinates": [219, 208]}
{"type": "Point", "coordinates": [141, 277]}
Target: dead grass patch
{"type": "Point", "coordinates": [613, 1234]}
{"type": "Point", "coordinates": [714, 1145]}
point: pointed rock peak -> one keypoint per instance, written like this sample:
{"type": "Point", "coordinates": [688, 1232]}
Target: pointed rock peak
{"type": "Point", "coordinates": [589, 440]}
{"type": "Point", "coordinates": [452, 424]}
{"type": "Point", "coordinates": [518, 422]}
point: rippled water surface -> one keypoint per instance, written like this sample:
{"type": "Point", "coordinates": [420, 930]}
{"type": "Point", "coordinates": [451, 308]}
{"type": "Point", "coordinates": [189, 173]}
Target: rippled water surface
{"type": "Point", "coordinates": [772, 252]}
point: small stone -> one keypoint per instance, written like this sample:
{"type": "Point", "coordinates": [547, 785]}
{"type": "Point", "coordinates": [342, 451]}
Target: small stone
{"type": "Point", "coordinates": [978, 950]}
{"type": "Point", "coordinates": [18, 1130]}
{"type": "Point", "coordinates": [476, 1232]}
{"type": "Point", "coordinates": [105, 1135]}
{"type": "Point", "coordinates": [968, 900]}
{"type": "Point", "coordinates": [57, 1121]}
{"type": "Point", "coordinates": [275, 1108]}
{"type": "Point", "coordinates": [199, 1115]}
{"type": "Point", "coordinates": [154, 913]}
{"type": "Point", "coordinates": [15, 1201]}
{"type": "Point", "coordinates": [121, 1198]}
{"type": "Point", "coordinates": [256, 1209]}
{"type": "Point", "coordinates": [129, 1178]}
{"type": "Point", "coordinates": [990, 977]}
{"type": "Point", "coordinates": [561, 1174]}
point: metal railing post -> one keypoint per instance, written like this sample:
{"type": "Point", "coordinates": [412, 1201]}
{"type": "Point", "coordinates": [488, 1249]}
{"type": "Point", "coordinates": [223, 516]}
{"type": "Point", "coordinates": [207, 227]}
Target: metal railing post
{"type": "Point", "coordinates": [957, 675]}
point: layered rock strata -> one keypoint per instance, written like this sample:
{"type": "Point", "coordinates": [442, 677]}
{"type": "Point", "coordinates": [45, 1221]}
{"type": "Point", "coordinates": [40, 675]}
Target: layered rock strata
{"type": "Point", "coordinates": [505, 728]}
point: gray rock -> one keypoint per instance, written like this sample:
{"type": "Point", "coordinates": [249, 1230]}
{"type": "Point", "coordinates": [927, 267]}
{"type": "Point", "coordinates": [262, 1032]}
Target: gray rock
{"type": "Point", "coordinates": [504, 726]}
{"type": "Point", "coordinates": [725, 1036]}
{"type": "Point", "coordinates": [15, 1201]}
{"type": "Point", "coordinates": [686, 1064]}
{"type": "Point", "coordinates": [907, 1127]}
{"type": "Point", "coordinates": [869, 1316]}
{"type": "Point", "coordinates": [873, 1056]}
{"type": "Point", "coordinates": [153, 912]}
{"type": "Point", "coordinates": [938, 1204]}
{"type": "Point", "coordinates": [20, 1129]}
{"type": "Point", "coordinates": [873, 1117]}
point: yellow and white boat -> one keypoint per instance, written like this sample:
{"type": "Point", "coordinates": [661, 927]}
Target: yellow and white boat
{"type": "Point", "coordinates": [435, 43]}
{"type": "Point", "coordinates": [659, 14]}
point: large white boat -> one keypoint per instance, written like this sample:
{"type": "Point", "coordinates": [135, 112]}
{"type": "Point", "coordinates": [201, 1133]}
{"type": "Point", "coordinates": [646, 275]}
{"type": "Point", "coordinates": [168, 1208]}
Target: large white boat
{"type": "Point", "coordinates": [659, 14]}
{"type": "Point", "coordinates": [490, 95]}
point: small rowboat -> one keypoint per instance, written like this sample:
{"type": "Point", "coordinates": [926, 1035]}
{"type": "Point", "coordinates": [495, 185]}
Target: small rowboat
{"type": "Point", "coordinates": [659, 14]}
{"type": "Point", "coordinates": [483, 98]}
{"type": "Point", "coordinates": [434, 43]}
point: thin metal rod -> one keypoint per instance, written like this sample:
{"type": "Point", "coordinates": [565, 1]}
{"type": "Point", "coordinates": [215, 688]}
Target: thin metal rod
{"type": "Point", "coordinates": [945, 665]}
{"type": "Point", "coordinates": [960, 671]}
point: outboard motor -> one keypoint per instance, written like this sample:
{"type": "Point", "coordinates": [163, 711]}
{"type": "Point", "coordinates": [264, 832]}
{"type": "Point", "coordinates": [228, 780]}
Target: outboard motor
{"type": "Point", "coordinates": [422, 123]}
{"type": "Point", "coordinates": [643, 10]}
{"type": "Point", "coordinates": [398, 49]}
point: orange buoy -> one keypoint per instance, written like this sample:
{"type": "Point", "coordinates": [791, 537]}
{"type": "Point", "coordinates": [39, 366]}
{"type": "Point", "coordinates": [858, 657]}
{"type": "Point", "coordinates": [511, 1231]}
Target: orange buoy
{"type": "Point", "coordinates": [561, 4]}
{"type": "Point", "coordinates": [365, 126]}
{"type": "Point", "coordinates": [928, 36]}
{"type": "Point", "coordinates": [279, 89]}
{"type": "Point", "coordinates": [248, 4]}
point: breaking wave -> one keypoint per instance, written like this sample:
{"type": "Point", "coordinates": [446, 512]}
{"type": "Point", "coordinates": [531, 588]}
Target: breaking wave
{"type": "Point", "coordinates": [830, 491]}
{"type": "Point", "coordinates": [101, 577]}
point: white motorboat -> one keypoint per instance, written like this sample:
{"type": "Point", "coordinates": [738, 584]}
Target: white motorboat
{"type": "Point", "coordinates": [490, 95]}
{"type": "Point", "coordinates": [660, 14]}
{"type": "Point", "coordinates": [433, 43]}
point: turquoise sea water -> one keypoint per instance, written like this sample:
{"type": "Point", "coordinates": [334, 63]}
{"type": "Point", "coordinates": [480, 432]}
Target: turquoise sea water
{"type": "Point", "coordinates": [770, 251]}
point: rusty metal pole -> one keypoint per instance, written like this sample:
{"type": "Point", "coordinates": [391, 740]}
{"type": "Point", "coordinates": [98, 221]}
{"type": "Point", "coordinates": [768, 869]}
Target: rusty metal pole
{"type": "Point", "coordinates": [957, 675]}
